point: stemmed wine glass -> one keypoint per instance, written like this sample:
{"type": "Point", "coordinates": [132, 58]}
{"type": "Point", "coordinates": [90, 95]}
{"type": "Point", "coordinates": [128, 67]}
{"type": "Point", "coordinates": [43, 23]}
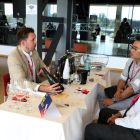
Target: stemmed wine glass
{"type": "Point", "coordinates": [29, 95]}
{"type": "Point", "coordinates": [27, 89]}
{"type": "Point", "coordinates": [76, 82]}
{"type": "Point", "coordinates": [10, 92]}
{"type": "Point", "coordinates": [77, 61]}
{"type": "Point", "coordinates": [19, 94]}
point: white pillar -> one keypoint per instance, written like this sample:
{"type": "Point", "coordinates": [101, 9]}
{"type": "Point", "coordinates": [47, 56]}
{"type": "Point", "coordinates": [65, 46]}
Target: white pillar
{"type": "Point", "coordinates": [31, 15]}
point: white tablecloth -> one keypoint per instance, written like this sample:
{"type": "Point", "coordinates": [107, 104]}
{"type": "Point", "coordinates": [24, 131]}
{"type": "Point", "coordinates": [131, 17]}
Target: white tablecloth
{"type": "Point", "coordinates": [70, 126]}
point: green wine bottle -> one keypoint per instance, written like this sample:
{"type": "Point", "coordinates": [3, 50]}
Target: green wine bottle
{"type": "Point", "coordinates": [52, 80]}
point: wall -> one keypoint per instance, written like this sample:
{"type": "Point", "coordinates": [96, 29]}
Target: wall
{"type": "Point", "coordinates": [114, 62]}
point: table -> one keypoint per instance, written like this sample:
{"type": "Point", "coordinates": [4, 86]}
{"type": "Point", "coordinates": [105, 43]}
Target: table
{"type": "Point", "coordinates": [70, 126]}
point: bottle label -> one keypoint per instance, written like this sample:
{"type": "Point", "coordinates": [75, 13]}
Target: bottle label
{"type": "Point", "coordinates": [71, 77]}
{"type": "Point", "coordinates": [66, 81]}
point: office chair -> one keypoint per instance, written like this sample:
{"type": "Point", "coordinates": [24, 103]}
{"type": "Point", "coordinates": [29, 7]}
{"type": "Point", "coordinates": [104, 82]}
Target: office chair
{"type": "Point", "coordinates": [82, 48]}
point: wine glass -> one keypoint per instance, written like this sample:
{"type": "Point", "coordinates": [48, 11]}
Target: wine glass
{"type": "Point", "coordinates": [31, 97]}
{"type": "Point", "coordinates": [76, 82]}
{"type": "Point", "coordinates": [20, 93]}
{"type": "Point", "coordinates": [27, 88]}
{"type": "Point", "coordinates": [10, 92]}
{"type": "Point", "coordinates": [77, 61]}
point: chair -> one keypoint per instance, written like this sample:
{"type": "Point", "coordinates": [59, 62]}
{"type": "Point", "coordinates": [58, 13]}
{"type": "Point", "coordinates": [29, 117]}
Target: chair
{"type": "Point", "coordinates": [6, 79]}
{"type": "Point", "coordinates": [82, 48]}
{"type": "Point", "coordinates": [47, 45]}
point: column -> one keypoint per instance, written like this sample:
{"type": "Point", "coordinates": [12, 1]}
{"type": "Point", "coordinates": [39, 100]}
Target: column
{"type": "Point", "coordinates": [64, 9]}
{"type": "Point", "coordinates": [118, 19]}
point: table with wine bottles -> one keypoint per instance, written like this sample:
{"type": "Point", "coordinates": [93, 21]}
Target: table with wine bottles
{"type": "Point", "coordinates": [20, 125]}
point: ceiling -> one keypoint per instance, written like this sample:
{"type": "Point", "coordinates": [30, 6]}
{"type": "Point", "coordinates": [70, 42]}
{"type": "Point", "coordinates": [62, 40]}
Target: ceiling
{"type": "Point", "coordinates": [93, 1]}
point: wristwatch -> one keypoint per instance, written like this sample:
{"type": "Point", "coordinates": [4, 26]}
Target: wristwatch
{"type": "Point", "coordinates": [114, 100]}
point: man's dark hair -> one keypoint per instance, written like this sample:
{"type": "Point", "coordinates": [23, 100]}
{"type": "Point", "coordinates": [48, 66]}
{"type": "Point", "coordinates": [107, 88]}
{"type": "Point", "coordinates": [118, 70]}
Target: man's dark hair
{"type": "Point", "coordinates": [125, 19]}
{"type": "Point", "coordinates": [138, 37]}
{"type": "Point", "coordinates": [23, 33]}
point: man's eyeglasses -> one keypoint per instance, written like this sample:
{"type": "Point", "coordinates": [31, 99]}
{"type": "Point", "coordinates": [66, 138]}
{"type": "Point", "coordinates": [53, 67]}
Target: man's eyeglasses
{"type": "Point", "coordinates": [134, 48]}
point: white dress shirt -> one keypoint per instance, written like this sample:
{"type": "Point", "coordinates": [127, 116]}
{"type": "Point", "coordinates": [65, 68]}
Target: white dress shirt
{"type": "Point", "coordinates": [132, 119]}
{"type": "Point", "coordinates": [32, 78]}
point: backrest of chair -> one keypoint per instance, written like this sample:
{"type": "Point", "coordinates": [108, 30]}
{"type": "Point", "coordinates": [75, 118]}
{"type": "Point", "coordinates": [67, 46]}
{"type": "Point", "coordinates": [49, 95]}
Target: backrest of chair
{"type": "Point", "coordinates": [79, 47]}
{"type": "Point", "coordinates": [48, 43]}
{"type": "Point", "coordinates": [6, 79]}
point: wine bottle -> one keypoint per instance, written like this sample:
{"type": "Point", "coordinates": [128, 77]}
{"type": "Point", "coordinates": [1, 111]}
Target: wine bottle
{"type": "Point", "coordinates": [61, 71]}
{"type": "Point", "coordinates": [52, 80]}
{"type": "Point", "coordinates": [58, 71]}
{"type": "Point", "coordinates": [73, 67]}
{"type": "Point", "coordinates": [66, 75]}
{"type": "Point", "coordinates": [71, 70]}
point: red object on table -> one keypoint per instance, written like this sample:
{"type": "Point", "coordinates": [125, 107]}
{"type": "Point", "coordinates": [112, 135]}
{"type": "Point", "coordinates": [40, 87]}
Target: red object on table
{"type": "Point", "coordinates": [22, 100]}
{"type": "Point", "coordinates": [84, 91]}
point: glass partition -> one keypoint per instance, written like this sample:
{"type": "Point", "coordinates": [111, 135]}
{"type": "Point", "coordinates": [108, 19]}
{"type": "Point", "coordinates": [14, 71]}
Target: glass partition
{"type": "Point", "coordinates": [9, 25]}
{"type": "Point", "coordinates": [115, 35]}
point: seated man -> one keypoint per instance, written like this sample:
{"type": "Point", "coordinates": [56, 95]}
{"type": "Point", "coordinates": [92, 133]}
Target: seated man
{"type": "Point", "coordinates": [24, 62]}
{"type": "Point", "coordinates": [131, 80]}
{"type": "Point", "coordinates": [96, 32]}
{"type": "Point", "coordinates": [114, 125]}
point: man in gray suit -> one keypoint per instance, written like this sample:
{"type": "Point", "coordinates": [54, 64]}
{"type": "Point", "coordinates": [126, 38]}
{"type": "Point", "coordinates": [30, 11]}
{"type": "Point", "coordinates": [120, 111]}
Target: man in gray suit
{"type": "Point", "coordinates": [24, 62]}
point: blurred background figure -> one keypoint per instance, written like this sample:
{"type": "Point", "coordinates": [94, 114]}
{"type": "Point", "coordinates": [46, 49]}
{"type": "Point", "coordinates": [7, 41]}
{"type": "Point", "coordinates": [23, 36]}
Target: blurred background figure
{"type": "Point", "coordinates": [119, 35]}
{"type": "Point", "coordinates": [96, 32]}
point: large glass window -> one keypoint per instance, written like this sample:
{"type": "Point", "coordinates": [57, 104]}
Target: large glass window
{"type": "Point", "coordinates": [116, 34]}
{"type": "Point", "coordinates": [9, 25]}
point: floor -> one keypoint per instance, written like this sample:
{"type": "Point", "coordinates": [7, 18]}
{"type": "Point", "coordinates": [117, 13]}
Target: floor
{"type": "Point", "coordinates": [107, 47]}
{"type": "Point", "coordinates": [4, 70]}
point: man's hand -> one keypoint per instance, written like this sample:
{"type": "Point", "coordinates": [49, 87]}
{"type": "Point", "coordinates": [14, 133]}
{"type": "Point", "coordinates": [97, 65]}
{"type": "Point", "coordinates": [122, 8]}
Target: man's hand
{"type": "Point", "coordinates": [41, 71]}
{"type": "Point", "coordinates": [53, 88]}
{"type": "Point", "coordinates": [111, 120]}
{"type": "Point", "coordinates": [117, 95]}
{"type": "Point", "coordinates": [50, 88]}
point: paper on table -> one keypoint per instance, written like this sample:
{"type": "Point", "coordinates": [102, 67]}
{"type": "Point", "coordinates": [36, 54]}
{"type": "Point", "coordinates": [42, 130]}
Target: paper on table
{"type": "Point", "coordinates": [61, 95]}
{"type": "Point", "coordinates": [53, 111]}
{"type": "Point", "coordinates": [73, 102]}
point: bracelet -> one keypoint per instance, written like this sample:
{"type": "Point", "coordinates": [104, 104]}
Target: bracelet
{"type": "Point", "coordinates": [119, 89]}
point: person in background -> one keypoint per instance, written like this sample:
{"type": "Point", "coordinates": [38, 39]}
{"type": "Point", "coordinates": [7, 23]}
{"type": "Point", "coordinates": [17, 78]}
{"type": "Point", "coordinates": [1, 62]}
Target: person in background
{"type": "Point", "coordinates": [24, 62]}
{"type": "Point", "coordinates": [118, 36]}
{"type": "Point", "coordinates": [128, 28]}
{"type": "Point", "coordinates": [124, 22]}
{"type": "Point", "coordinates": [116, 125]}
{"type": "Point", "coordinates": [4, 18]}
{"type": "Point", "coordinates": [131, 81]}
{"type": "Point", "coordinates": [96, 32]}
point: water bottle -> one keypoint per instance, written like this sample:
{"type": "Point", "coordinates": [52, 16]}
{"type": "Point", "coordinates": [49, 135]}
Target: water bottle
{"type": "Point", "coordinates": [87, 64]}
